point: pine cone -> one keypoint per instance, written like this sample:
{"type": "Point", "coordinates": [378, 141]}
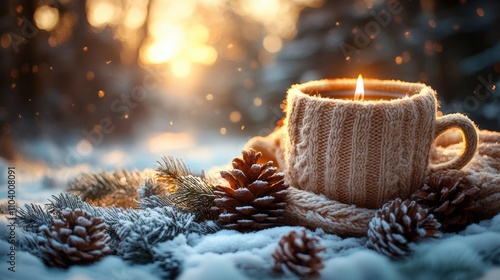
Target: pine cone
{"type": "Point", "coordinates": [74, 238]}
{"type": "Point", "coordinates": [397, 225]}
{"type": "Point", "coordinates": [255, 196]}
{"type": "Point", "coordinates": [299, 253]}
{"type": "Point", "coordinates": [450, 197]}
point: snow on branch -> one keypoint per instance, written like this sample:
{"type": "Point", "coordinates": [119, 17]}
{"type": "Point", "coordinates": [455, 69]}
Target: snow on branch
{"type": "Point", "coordinates": [141, 231]}
{"type": "Point", "coordinates": [32, 217]}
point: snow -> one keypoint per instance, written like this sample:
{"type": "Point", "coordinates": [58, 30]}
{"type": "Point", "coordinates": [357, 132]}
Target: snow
{"type": "Point", "coordinates": [210, 266]}
{"type": "Point", "coordinates": [362, 264]}
{"type": "Point", "coordinates": [264, 199]}
{"type": "Point", "coordinates": [228, 254]}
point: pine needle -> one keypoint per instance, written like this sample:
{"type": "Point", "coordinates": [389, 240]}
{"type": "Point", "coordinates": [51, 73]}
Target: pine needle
{"type": "Point", "coordinates": [151, 187]}
{"type": "Point", "coordinates": [185, 190]}
{"type": "Point", "coordinates": [196, 194]}
{"type": "Point", "coordinates": [192, 194]}
{"type": "Point", "coordinates": [27, 241]}
{"type": "Point", "coordinates": [118, 188]}
{"type": "Point", "coordinates": [65, 200]}
{"type": "Point", "coordinates": [155, 201]}
{"type": "Point", "coordinates": [129, 229]}
{"type": "Point", "coordinates": [32, 217]}
{"type": "Point", "coordinates": [172, 168]}
{"type": "Point", "coordinates": [141, 231]}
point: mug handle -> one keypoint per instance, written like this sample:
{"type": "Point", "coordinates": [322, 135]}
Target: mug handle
{"type": "Point", "coordinates": [469, 136]}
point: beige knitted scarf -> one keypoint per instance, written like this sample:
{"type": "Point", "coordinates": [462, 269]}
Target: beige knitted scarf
{"type": "Point", "coordinates": [313, 210]}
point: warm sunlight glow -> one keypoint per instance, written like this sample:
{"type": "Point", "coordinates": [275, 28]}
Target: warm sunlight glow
{"type": "Point", "coordinates": [179, 45]}
{"type": "Point", "coordinates": [261, 8]}
{"type": "Point", "coordinates": [184, 35]}
{"type": "Point", "coordinates": [161, 52]}
{"type": "Point", "coordinates": [166, 142]}
{"type": "Point", "coordinates": [181, 68]}
{"type": "Point", "coordinates": [176, 10]}
{"type": "Point", "coordinates": [46, 17]}
{"type": "Point", "coordinates": [101, 13]}
{"type": "Point", "coordinates": [202, 54]}
{"type": "Point", "coordinates": [135, 17]}
{"type": "Point", "coordinates": [359, 93]}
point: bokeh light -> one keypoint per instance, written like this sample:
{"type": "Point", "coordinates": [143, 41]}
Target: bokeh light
{"type": "Point", "coordinates": [46, 17]}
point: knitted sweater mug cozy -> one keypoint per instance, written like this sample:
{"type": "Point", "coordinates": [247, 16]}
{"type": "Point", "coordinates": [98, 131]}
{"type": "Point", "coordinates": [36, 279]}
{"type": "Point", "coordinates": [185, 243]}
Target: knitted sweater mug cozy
{"type": "Point", "coordinates": [314, 210]}
{"type": "Point", "coordinates": [365, 152]}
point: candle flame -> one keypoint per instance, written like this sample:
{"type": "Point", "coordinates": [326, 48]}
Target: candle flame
{"type": "Point", "coordinates": [359, 94]}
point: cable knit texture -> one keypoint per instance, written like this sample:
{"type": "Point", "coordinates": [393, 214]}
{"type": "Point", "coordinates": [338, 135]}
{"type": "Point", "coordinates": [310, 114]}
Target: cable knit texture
{"type": "Point", "coordinates": [365, 152]}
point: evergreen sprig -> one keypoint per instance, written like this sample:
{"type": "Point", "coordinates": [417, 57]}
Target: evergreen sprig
{"type": "Point", "coordinates": [141, 231]}
{"type": "Point", "coordinates": [156, 201]}
{"type": "Point", "coordinates": [150, 187]}
{"type": "Point", "coordinates": [134, 232]}
{"type": "Point", "coordinates": [172, 168]}
{"type": "Point", "coordinates": [118, 188]}
{"type": "Point", "coordinates": [182, 189]}
{"type": "Point", "coordinates": [66, 200]}
{"type": "Point", "coordinates": [192, 194]}
{"type": "Point", "coordinates": [27, 241]}
{"type": "Point", "coordinates": [196, 194]}
{"type": "Point", "coordinates": [32, 217]}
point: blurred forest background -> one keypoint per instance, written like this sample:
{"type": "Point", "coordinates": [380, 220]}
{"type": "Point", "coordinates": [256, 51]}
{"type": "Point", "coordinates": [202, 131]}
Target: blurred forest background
{"type": "Point", "coordinates": [105, 71]}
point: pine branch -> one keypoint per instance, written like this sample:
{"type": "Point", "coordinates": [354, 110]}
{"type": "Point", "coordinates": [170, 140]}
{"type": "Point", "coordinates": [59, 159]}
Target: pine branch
{"type": "Point", "coordinates": [172, 168]}
{"type": "Point", "coordinates": [195, 194]}
{"type": "Point", "coordinates": [192, 194]}
{"type": "Point", "coordinates": [135, 233]}
{"type": "Point", "coordinates": [142, 230]}
{"type": "Point", "coordinates": [118, 188]}
{"type": "Point", "coordinates": [65, 200]}
{"type": "Point", "coordinates": [27, 241]}
{"type": "Point", "coordinates": [32, 217]}
{"type": "Point", "coordinates": [182, 189]}
{"type": "Point", "coordinates": [150, 187]}
{"type": "Point", "coordinates": [156, 201]}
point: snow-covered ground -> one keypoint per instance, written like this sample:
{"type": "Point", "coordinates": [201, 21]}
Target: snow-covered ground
{"type": "Point", "coordinates": [471, 254]}
{"type": "Point", "coordinates": [232, 255]}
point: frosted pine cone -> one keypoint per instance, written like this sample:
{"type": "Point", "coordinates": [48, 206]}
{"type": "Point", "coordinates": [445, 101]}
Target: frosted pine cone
{"type": "Point", "coordinates": [450, 197]}
{"type": "Point", "coordinates": [299, 253]}
{"type": "Point", "coordinates": [254, 198]}
{"type": "Point", "coordinates": [397, 225]}
{"type": "Point", "coordinates": [74, 238]}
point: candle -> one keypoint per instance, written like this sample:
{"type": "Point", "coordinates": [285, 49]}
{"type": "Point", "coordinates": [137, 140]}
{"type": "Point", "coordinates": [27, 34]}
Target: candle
{"type": "Point", "coordinates": [362, 94]}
